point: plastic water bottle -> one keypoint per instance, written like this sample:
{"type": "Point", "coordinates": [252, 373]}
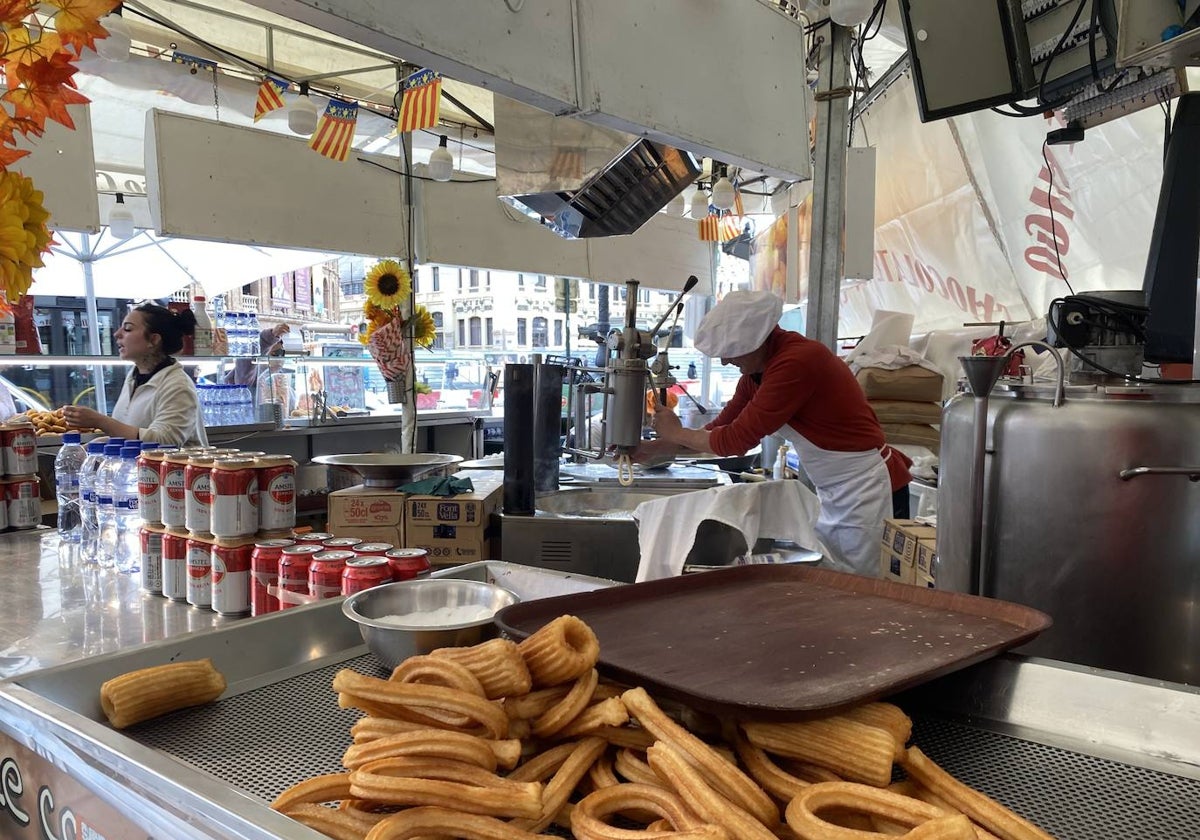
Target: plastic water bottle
{"type": "Point", "coordinates": [106, 515]}
{"type": "Point", "coordinates": [67, 465]}
{"type": "Point", "coordinates": [87, 500]}
{"type": "Point", "coordinates": [127, 520]}
{"type": "Point", "coordinates": [253, 328]}
{"type": "Point", "coordinates": [245, 405]}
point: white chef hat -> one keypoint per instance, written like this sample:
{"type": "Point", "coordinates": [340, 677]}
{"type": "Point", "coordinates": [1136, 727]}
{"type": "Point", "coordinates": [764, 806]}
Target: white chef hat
{"type": "Point", "coordinates": [739, 324]}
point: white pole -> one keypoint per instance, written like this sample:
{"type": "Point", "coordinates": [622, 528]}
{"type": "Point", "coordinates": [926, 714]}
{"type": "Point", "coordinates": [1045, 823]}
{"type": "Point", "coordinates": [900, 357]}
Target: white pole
{"type": "Point", "coordinates": [89, 291]}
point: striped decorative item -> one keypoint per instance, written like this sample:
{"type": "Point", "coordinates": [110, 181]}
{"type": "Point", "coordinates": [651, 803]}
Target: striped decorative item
{"type": "Point", "coordinates": [335, 131]}
{"type": "Point", "coordinates": [270, 97]}
{"type": "Point", "coordinates": [420, 102]}
{"type": "Point", "coordinates": [710, 228]}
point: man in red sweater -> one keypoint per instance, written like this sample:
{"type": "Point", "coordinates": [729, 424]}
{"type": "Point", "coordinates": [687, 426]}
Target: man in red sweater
{"type": "Point", "coordinates": [797, 388]}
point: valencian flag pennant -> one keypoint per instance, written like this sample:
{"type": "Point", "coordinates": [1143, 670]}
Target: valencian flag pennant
{"type": "Point", "coordinates": [335, 130]}
{"type": "Point", "coordinates": [270, 97]}
{"type": "Point", "coordinates": [420, 102]}
{"type": "Point", "coordinates": [710, 228]}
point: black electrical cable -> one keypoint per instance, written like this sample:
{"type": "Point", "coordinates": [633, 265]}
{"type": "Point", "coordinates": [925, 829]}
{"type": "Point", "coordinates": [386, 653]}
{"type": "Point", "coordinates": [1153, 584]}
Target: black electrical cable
{"type": "Point", "coordinates": [1053, 225]}
{"type": "Point", "coordinates": [1095, 26]}
{"type": "Point", "coordinates": [1053, 54]}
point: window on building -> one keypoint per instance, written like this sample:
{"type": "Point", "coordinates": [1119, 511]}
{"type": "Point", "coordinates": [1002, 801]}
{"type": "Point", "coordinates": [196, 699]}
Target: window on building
{"type": "Point", "coordinates": [476, 331]}
{"type": "Point", "coordinates": [439, 341]}
{"type": "Point", "coordinates": [541, 281]}
{"type": "Point", "coordinates": [645, 295]}
{"type": "Point", "coordinates": [436, 280]}
{"type": "Point", "coordinates": [462, 333]}
{"type": "Point", "coordinates": [487, 280]}
{"type": "Point", "coordinates": [520, 281]}
{"type": "Point", "coordinates": [522, 332]}
{"type": "Point", "coordinates": [591, 291]}
{"type": "Point", "coordinates": [474, 283]}
{"type": "Point", "coordinates": [460, 282]}
{"type": "Point", "coordinates": [541, 336]}
{"type": "Point", "coordinates": [558, 332]}
{"type": "Point", "coordinates": [487, 332]}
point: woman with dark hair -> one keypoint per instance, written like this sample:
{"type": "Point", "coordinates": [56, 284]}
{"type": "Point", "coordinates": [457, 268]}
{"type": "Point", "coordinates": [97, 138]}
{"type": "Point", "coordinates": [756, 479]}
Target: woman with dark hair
{"type": "Point", "coordinates": [158, 401]}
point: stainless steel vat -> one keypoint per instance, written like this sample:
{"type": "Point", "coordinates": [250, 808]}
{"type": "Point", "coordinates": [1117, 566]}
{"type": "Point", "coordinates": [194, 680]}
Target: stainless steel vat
{"type": "Point", "coordinates": [1115, 561]}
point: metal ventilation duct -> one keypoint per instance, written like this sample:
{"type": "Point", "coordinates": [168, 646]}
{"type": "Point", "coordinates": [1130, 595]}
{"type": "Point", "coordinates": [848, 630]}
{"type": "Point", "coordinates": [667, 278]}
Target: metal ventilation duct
{"type": "Point", "coordinates": [583, 180]}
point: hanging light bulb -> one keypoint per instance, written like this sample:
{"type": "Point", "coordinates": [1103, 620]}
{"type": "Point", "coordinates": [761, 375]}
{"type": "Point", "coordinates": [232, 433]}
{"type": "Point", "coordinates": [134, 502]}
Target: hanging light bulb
{"type": "Point", "coordinates": [699, 203]}
{"type": "Point", "coordinates": [441, 162]}
{"type": "Point", "coordinates": [120, 219]}
{"type": "Point", "coordinates": [302, 113]}
{"type": "Point", "coordinates": [676, 206]}
{"type": "Point", "coordinates": [722, 191]}
{"type": "Point", "coordinates": [850, 13]}
{"type": "Point", "coordinates": [116, 46]}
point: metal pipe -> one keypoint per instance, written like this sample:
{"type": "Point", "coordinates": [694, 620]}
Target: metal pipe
{"type": "Point", "coordinates": [1060, 387]}
{"type": "Point", "coordinates": [547, 426]}
{"type": "Point", "coordinates": [518, 440]}
{"type": "Point", "coordinates": [979, 570]}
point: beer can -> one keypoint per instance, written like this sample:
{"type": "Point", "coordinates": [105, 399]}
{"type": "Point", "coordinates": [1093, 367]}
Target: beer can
{"type": "Point", "coordinates": [152, 560]}
{"type": "Point", "coordinates": [373, 549]}
{"type": "Point", "coordinates": [264, 573]}
{"type": "Point", "coordinates": [342, 543]}
{"type": "Point", "coordinates": [197, 478]}
{"type": "Point", "coordinates": [173, 489]}
{"type": "Point", "coordinates": [231, 577]}
{"type": "Point", "coordinates": [23, 498]}
{"type": "Point", "coordinates": [408, 563]}
{"type": "Point", "coordinates": [234, 510]}
{"type": "Point", "coordinates": [313, 538]}
{"type": "Point", "coordinates": [199, 572]}
{"type": "Point", "coordinates": [19, 440]}
{"type": "Point", "coordinates": [149, 480]}
{"type": "Point", "coordinates": [365, 572]}
{"type": "Point", "coordinates": [293, 569]}
{"type": "Point", "coordinates": [325, 573]}
{"type": "Point", "coordinates": [174, 566]}
{"type": "Point", "coordinates": [276, 492]}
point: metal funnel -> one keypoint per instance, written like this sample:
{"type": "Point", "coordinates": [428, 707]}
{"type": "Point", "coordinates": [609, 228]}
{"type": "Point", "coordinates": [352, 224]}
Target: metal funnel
{"type": "Point", "coordinates": [982, 372]}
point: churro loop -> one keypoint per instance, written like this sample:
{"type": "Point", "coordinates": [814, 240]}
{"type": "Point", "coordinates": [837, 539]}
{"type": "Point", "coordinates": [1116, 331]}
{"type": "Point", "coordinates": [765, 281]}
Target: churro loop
{"type": "Point", "coordinates": [601, 775]}
{"type": "Point", "coordinates": [773, 778]}
{"type": "Point", "coordinates": [981, 808]}
{"type": "Point", "coordinates": [803, 817]}
{"type": "Point", "coordinates": [497, 664]}
{"type": "Point", "coordinates": [430, 743]}
{"type": "Point", "coordinates": [429, 670]}
{"type": "Point", "coordinates": [589, 816]}
{"type": "Point", "coordinates": [535, 703]}
{"type": "Point", "coordinates": [411, 698]}
{"type": "Point", "coordinates": [629, 765]}
{"type": "Point", "coordinates": [625, 470]}
{"type": "Point", "coordinates": [669, 762]}
{"type": "Point", "coordinates": [609, 713]}
{"type": "Point", "coordinates": [632, 737]}
{"type": "Point", "coordinates": [562, 651]}
{"type": "Point", "coordinates": [884, 716]}
{"type": "Point", "coordinates": [855, 751]}
{"type": "Point", "coordinates": [558, 790]}
{"type": "Point", "coordinates": [735, 785]}
{"type": "Point", "coordinates": [442, 822]}
{"type": "Point", "coordinates": [449, 784]}
{"type": "Point", "coordinates": [543, 765]}
{"type": "Point", "coordinates": [569, 708]}
{"type": "Point", "coordinates": [335, 823]}
{"type": "Point", "coordinates": [327, 788]}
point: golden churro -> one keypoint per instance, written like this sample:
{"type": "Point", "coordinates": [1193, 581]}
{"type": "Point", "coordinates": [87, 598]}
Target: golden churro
{"type": "Point", "coordinates": [497, 664]}
{"type": "Point", "coordinates": [669, 762]}
{"type": "Point", "coordinates": [149, 692]}
{"type": "Point", "coordinates": [853, 750]}
{"type": "Point", "coordinates": [562, 651]}
{"type": "Point", "coordinates": [442, 822]}
{"type": "Point", "coordinates": [567, 709]}
{"type": "Point", "coordinates": [327, 788]}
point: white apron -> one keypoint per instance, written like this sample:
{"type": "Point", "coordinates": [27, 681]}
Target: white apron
{"type": "Point", "coordinates": [856, 496]}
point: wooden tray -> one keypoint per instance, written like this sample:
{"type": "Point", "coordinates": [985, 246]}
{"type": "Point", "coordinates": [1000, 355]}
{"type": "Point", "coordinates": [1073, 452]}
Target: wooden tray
{"type": "Point", "coordinates": [782, 641]}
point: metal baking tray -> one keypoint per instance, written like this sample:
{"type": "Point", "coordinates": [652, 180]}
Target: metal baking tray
{"type": "Point", "coordinates": [783, 641]}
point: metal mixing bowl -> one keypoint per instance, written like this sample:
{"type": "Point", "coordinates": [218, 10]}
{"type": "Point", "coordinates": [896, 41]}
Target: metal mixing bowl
{"type": "Point", "coordinates": [394, 643]}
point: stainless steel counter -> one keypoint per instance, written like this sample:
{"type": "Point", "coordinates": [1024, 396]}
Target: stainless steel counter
{"type": "Point", "coordinates": [54, 609]}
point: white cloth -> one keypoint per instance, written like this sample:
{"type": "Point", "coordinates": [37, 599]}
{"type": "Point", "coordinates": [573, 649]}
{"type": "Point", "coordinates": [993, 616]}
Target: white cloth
{"type": "Point", "coordinates": [739, 324]}
{"type": "Point", "coordinates": [166, 409]}
{"type": "Point", "coordinates": [891, 357]}
{"type": "Point", "coordinates": [888, 329]}
{"type": "Point", "coordinates": [856, 496]}
{"type": "Point", "coordinates": [783, 510]}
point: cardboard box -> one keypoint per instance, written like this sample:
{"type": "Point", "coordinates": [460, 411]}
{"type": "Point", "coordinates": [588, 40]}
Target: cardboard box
{"type": "Point", "coordinates": [926, 561]}
{"type": "Point", "coordinates": [464, 510]}
{"type": "Point", "coordinates": [451, 545]}
{"type": "Point", "coordinates": [375, 514]}
{"type": "Point", "coordinates": [894, 567]}
{"type": "Point", "coordinates": [902, 536]}
{"type": "Point", "coordinates": [925, 581]}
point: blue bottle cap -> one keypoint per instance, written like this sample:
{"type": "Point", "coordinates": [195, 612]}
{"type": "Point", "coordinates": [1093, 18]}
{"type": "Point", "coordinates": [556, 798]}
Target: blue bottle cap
{"type": "Point", "coordinates": [70, 437]}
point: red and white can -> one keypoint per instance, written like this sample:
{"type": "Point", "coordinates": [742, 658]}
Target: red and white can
{"type": "Point", "coordinates": [365, 572]}
{"type": "Point", "coordinates": [231, 577]}
{"type": "Point", "coordinates": [19, 440]}
{"type": "Point", "coordinates": [264, 573]}
{"type": "Point", "coordinates": [342, 543]}
{"type": "Point", "coordinates": [3, 505]}
{"type": "Point", "coordinates": [373, 549]}
{"type": "Point", "coordinates": [234, 497]}
{"type": "Point", "coordinates": [325, 573]}
{"type": "Point", "coordinates": [408, 563]}
{"type": "Point", "coordinates": [173, 489]}
{"type": "Point", "coordinates": [152, 560]}
{"type": "Point", "coordinates": [149, 470]}
{"type": "Point", "coordinates": [197, 477]}
{"type": "Point", "coordinates": [23, 498]}
{"type": "Point", "coordinates": [313, 538]}
{"type": "Point", "coordinates": [293, 569]}
{"type": "Point", "coordinates": [199, 572]}
{"type": "Point", "coordinates": [276, 492]}
{"type": "Point", "coordinates": [174, 566]}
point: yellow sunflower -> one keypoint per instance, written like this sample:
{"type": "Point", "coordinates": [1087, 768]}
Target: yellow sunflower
{"type": "Point", "coordinates": [388, 284]}
{"type": "Point", "coordinates": [424, 330]}
{"type": "Point", "coordinates": [24, 237]}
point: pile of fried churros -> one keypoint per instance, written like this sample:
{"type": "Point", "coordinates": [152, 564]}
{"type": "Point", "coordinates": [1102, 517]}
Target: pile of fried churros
{"type": "Point", "coordinates": [501, 741]}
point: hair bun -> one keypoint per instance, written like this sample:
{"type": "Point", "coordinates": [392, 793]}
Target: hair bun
{"type": "Point", "coordinates": [185, 320]}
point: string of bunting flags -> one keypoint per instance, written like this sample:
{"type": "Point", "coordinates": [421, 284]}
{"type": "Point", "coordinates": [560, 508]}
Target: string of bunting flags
{"type": "Point", "coordinates": [420, 107]}
{"type": "Point", "coordinates": [723, 225]}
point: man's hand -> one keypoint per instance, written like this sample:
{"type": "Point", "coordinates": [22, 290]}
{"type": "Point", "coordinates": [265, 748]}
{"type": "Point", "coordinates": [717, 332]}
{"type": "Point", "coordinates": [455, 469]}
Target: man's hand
{"type": "Point", "coordinates": [667, 425]}
{"type": "Point", "coordinates": [655, 452]}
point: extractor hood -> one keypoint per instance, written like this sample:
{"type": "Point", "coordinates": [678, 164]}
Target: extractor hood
{"type": "Point", "coordinates": [583, 180]}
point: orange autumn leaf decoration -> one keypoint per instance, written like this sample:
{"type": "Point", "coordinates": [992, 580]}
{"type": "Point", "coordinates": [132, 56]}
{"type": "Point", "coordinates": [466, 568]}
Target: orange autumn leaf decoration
{"type": "Point", "coordinates": [24, 48]}
{"type": "Point", "coordinates": [78, 21]}
{"type": "Point", "coordinates": [12, 12]}
{"type": "Point", "coordinates": [46, 90]}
